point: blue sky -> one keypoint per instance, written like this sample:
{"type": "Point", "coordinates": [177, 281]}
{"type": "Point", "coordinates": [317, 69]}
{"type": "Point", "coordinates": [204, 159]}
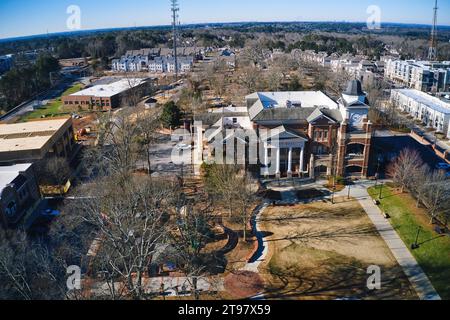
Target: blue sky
{"type": "Point", "coordinates": [28, 17]}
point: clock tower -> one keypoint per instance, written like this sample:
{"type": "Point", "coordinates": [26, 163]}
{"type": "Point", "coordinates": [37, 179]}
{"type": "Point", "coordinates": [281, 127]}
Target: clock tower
{"type": "Point", "coordinates": [355, 134]}
{"type": "Point", "coordinates": [353, 105]}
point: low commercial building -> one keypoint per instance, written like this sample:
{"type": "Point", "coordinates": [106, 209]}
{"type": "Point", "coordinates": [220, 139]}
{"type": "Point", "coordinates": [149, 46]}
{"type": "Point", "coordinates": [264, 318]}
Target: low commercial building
{"type": "Point", "coordinates": [19, 193]}
{"type": "Point", "coordinates": [32, 141]}
{"type": "Point", "coordinates": [432, 111]}
{"type": "Point", "coordinates": [105, 97]}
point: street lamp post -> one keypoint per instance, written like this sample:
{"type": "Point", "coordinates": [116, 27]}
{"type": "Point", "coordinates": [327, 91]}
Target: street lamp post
{"type": "Point", "coordinates": [381, 191]}
{"type": "Point", "coordinates": [377, 174]}
{"type": "Point", "coordinates": [416, 245]}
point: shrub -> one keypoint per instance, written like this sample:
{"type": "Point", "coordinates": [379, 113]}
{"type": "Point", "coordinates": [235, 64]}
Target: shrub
{"type": "Point", "coordinates": [171, 115]}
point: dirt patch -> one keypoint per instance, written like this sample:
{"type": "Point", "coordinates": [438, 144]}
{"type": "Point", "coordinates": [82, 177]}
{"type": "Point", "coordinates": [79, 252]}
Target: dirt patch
{"type": "Point", "coordinates": [243, 284]}
{"type": "Point", "coordinates": [322, 251]}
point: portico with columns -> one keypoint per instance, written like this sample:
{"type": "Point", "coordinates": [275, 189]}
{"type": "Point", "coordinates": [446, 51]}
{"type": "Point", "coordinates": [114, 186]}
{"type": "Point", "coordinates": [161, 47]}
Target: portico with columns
{"type": "Point", "coordinates": [284, 153]}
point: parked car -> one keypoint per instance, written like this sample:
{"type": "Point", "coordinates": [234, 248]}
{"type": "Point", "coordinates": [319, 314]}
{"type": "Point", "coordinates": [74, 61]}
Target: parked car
{"type": "Point", "coordinates": [183, 146]}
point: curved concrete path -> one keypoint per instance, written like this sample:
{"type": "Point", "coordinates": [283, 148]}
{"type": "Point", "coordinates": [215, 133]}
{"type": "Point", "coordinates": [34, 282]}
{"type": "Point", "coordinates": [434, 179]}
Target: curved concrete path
{"type": "Point", "coordinates": [263, 247]}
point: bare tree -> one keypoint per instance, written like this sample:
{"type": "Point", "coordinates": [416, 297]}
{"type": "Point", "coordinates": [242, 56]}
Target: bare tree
{"type": "Point", "coordinates": [148, 123]}
{"type": "Point", "coordinates": [28, 271]}
{"type": "Point", "coordinates": [131, 216]}
{"type": "Point", "coordinates": [250, 78]}
{"type": "Point", "coordinates": [53, 171]}
{"type": "Point", "coordinates": [438, 194]}
{"type": "Point", "coordinates": [274, 80]}
{"type": "Point", "coordinates": [221, 183]}
{"type": "Point", "coordinates": [118, 149]}
{"type": "Point", "coordinates": [245, 196]}
{"type": "Point", "coordinates": [189, 239]}
{"type": "Point", "coordinates": [218, 84]}
{"type": "Point", "coordinates": [255, 52]}
{"type": "Point", "coordinates": [403, 168]}
{"type": "Point", "coordinates": [420, 180]}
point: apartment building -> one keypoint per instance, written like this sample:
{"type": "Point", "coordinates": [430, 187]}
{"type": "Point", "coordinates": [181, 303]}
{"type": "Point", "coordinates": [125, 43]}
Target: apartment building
{"type": "Point", "coordinates": [159, 60]}
{"type": "Point", "coordinates": [420, 75]}
{"type": "Point", "coordinates": [432, 111]}
{"type": "Point", "coordinates": [167, 64]}
{"type": "Point", "coordinates": [356, 66]}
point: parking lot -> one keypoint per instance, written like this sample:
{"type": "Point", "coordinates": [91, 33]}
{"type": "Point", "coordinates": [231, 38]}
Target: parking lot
{"type": "Point", "coordinates": [167, 157]}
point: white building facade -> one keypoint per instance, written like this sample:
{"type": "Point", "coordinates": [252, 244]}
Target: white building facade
{"type": "Point", "coordinates": [420, 75]}
{"type": "Point", "coordinates": [431, 111]}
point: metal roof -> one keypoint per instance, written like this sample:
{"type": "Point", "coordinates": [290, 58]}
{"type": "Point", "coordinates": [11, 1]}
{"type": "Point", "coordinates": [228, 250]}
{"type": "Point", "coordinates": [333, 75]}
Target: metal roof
{"type": "Point", "coordinates": [425, 99]}
{"type": "Point", "coordinates": [9, 173]}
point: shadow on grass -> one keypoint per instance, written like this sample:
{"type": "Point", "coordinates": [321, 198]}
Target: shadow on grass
{"type": "Point", "coordinates": [347, 280]}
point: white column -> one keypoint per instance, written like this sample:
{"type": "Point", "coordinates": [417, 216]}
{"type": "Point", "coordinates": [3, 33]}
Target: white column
{"type": "Point", "coordinates": [302, 159]}
{"type": "Point", "coordinates": [290, 161]}
{"type": "Point", "coordinates": [266, 160]}
{"type": "Point", "coordinates": [278, 161]}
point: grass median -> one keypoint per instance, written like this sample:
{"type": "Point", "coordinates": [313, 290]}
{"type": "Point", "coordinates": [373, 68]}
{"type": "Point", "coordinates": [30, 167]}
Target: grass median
{"type": "Point", "coordinates": [53, 108]}
{"type": "Point", "coordinates": [433, 255]}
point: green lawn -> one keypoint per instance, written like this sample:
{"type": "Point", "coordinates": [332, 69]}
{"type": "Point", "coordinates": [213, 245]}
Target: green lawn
{"type": "Point", "coordinates": [434, 252]}
{"type": "Point", "coordinates": [52, 109]}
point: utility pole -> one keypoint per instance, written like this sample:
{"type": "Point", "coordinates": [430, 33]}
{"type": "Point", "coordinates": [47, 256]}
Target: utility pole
{"type": "Point", "coordinates": [432, 53]}
{"type": "Point", "coordinates": [175, 9]}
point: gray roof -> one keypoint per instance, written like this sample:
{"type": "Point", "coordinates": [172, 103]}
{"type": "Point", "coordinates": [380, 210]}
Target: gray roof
{"type": "Point", "coordinates": [425, 99]}
{"type": "Point", "coordinates": [333, 114]}
{"type": "Point", "coordinates": [282, 114]}
{"type": "Point", "coordinates": [283, 132]}
{"type": "Point", "coordinates": [211, 118]}
{"type": "Point", "coordinates": [354, 88]}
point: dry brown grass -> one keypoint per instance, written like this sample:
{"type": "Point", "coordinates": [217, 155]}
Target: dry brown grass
{"type": "Point", "coordinates": [322, 251]}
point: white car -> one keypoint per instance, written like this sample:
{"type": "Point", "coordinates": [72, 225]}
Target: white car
{"type": "Point", "coordinates": [183, 146]}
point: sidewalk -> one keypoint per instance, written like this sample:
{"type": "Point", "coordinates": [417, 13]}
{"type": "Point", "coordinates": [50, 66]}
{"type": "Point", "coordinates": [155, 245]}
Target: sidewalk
{"type": "Point", "coordinates": [405, 259]}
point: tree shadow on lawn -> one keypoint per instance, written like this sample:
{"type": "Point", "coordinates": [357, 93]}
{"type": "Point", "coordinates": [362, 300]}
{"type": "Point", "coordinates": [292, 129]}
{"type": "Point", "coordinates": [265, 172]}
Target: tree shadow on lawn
{"type": "Point", "coordinates": [308, 214]}
{"type": "Point", "coordinates": [331, 234]}
{"type": "Point", "coordinates": [337, 281]}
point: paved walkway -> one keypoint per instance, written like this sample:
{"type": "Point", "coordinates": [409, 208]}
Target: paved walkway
{"type": "Point", "coordinates": [263, 246]}
{"type": "Point", "coordinates": [405, 259]}
{"type": "Point", "coordinates": [173, 286]}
